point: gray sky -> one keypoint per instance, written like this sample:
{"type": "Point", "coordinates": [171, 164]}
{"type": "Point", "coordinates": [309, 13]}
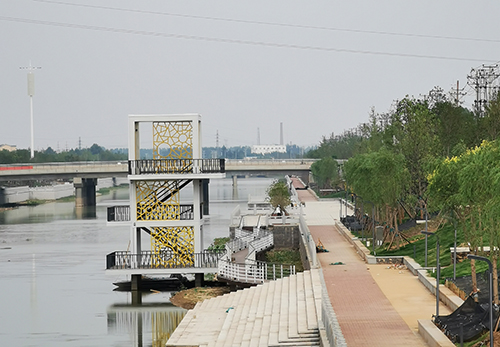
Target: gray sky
{"type": "Point", "coordinates": [317, 66]}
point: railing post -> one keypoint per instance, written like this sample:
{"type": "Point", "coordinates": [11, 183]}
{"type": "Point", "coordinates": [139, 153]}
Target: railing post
{"type": "Point", "coordinates": [274, 271]}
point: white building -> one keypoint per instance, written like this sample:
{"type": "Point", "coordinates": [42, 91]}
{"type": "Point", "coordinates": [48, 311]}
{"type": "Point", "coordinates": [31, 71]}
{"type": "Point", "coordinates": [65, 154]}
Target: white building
{"type": "Point", "coordinates": [267, 149]}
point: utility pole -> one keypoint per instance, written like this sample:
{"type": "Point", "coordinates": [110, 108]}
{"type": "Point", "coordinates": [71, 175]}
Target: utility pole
{"type": "Point", "coordinates": [457, 93]}
{"type": "Point", "coordinates": [484, 80]}
{"type": "Point", "coordinates": [31, 92]}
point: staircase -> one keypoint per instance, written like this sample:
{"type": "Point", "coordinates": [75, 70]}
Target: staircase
{"type": "Point", "coordinates": [277, 313]}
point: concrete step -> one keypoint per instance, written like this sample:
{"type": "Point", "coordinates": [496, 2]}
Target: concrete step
{"type": "Point", "coordinates": [301, 305]}
{"type": "Point", "coordinates": [252, 313]}
{"type": "Point", "coordinates": [293, 331]}
{"type": "Point", "coordinates": [275, 314]}
{"type": "Point", "coordinates": [283, 325]}
{"type": "Point", "coordinates": [312, 319]}
{"type": "Point", "coordinates": [239, 298]}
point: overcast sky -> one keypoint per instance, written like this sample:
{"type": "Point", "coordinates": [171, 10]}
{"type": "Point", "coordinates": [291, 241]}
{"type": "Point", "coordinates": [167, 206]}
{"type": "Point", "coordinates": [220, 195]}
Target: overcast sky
{"type": "Point", "coordinates": [317, 66]}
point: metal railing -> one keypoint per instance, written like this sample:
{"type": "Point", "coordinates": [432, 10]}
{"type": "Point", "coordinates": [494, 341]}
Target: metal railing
{"type": "Point", "coordinates": [175, 166]}
{"type": "Point", "coordinates": [118, 213]}
{"type": "Point", "coordinates": [163, 260]}
{"type": "Point", "coordinates": [122, 213]}
{"type": "Point", "coordinates": [253, 272]}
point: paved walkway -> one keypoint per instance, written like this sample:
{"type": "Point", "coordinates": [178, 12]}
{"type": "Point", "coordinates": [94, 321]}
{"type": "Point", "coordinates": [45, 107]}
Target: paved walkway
{"type": "Point", "coordinates": [375, 305]}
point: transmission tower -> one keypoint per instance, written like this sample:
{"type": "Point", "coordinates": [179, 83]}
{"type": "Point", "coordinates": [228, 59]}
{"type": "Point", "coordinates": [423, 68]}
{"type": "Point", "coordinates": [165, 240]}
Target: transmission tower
{"type": "Point", "coordinates": [217, 144]}
{"type": "Point", "coordinates": [484, 81]}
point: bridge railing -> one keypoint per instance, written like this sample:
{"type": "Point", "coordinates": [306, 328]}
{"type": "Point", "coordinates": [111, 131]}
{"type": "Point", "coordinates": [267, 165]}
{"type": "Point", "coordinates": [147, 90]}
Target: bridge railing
{"type": "Point", "coordinates": [122, 213]}
{"type": "Point", "coordinates": [163, 260]}
{"type": "Point", "coordinates": [175, 166]}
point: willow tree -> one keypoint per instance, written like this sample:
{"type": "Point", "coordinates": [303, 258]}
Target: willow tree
{"type": "Point", "coordinates": [380, 177]}
{"type": "Point", "coordinates": [480, 185]}
{"type": "Point", "coordinates": [326, 172]}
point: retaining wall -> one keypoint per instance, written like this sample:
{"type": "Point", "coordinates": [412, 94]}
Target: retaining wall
{"type": "Point", "coordinates": [14, 195]}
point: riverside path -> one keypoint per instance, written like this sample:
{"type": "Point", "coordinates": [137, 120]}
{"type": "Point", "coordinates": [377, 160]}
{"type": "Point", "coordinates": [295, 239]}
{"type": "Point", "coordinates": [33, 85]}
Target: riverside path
{"type": "Point", "coordinates": [374, 305]}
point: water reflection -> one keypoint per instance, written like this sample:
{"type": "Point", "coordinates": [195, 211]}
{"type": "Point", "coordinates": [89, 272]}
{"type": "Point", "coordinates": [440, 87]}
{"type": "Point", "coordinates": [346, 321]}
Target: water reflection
{"type": "Point", "coordinates": [151, 322]}
{"type": "Point", "coordinates": [85, 212]}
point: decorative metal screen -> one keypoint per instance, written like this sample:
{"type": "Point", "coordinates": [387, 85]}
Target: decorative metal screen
{"type": "Point", "coordinates": [174, 138]}
{"type": "Point", "coordinates": [158, 200]}
{"type": "Point", "coordinates": [172, 246]}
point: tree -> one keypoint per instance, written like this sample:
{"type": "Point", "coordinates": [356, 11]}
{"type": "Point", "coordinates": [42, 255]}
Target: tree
{"type": "Point", "coordinates": [326, 172]}
{"type": "Point", "coordinates": [279, 195]}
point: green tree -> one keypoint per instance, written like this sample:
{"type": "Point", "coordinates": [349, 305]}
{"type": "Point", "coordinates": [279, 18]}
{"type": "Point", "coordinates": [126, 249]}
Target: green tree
{"type": "Point", "coordinates": [326, 172]}
{"type": "Point", "coordinates": [279, 195]}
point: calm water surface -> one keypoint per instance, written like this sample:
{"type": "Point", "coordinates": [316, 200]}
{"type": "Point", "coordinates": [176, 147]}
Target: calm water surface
{"type": "Point", "coordinates": [54, 290]}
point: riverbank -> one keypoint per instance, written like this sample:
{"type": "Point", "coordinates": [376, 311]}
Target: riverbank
{"type": "Point", "coordinates": [188, 298]}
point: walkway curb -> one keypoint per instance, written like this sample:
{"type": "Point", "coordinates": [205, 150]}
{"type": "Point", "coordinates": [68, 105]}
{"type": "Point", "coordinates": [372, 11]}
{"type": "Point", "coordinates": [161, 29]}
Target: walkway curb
{"type": "Point", "coordinates": [432, 335]}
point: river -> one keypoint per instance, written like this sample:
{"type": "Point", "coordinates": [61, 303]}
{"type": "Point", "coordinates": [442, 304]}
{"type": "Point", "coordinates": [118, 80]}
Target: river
{"type": "Point", "coordinates": [54, 290]}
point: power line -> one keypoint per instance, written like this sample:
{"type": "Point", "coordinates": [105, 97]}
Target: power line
{"type": "Point", "coordinates": [231, 20]}
{"type": "Point", "coordinates": [233, 41]}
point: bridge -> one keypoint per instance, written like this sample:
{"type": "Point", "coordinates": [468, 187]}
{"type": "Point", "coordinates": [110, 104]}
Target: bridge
{"type": "Point", "coordinates": [85, 174]}
{"type": "Point", "coordinates": [103, 169]}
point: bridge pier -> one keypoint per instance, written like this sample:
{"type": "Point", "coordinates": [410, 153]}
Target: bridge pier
{"type": "Point", "coordinates": [84, 191]}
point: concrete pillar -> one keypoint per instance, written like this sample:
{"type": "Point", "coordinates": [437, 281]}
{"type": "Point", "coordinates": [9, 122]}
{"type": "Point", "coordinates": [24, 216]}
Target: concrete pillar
{"type": "Point", "coordinates": [84, 191]}
{"type": "Point", "coordinates": [199, 280]}
{"type": "Point", "coordinates": [135, 282]}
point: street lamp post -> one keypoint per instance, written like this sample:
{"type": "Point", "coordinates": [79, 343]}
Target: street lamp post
{"type": "Point", "coordinates": [426, 222]}
{"type": "Point", "coordinates": [490, 282]}
{"type": "Point", "coordinates": [437, 268]}
{"type": "Point", "coordinates": [31, 92]}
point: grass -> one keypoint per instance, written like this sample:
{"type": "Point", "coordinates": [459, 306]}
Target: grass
{"type": "Point", "coordinates": [416, 250]}
{"type": "Point", "coordinates": [285, 257]}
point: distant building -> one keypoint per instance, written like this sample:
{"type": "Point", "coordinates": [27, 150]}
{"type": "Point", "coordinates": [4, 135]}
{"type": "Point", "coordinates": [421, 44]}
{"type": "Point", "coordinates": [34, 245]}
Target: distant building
{"type": "Point", "coordinates": [267, 149]}
{"type": "Point", "coordinates": [8, 148]}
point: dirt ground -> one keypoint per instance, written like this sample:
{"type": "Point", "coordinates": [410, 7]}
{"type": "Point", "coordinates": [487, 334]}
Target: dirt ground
{"type": "Point", "coordinates": [188, 298]}
{"type": "Point", "coordinates": [486, 341]}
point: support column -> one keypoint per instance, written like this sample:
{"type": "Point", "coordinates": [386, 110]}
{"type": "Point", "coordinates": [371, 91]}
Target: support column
{"type": "Point", "coordinates": [135, 282]}
{"type": "Point", "coordinates": [84, 191]}
{"type": "Point", "coordinates": [206, 199]}
{"type": "Point", "coordinates": [199, 280]}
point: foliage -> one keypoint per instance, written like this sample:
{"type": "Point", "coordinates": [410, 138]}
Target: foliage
{"type": "Point", "coordinates": [288, 257]}
{"type": "Point", "coordinates": [279, 195]}
{"type": "Point", "coordinates": [94, 153]}
{"type": "Point", "coordinates": [326, 172]}
{"type": "Point", "coordinates": [219, 244]}
{"type": "Point", "coordinates": [341, 146]}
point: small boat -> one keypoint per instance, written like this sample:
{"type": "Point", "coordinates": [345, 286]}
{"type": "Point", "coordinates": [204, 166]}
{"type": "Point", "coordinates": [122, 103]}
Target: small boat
{"type": "Point", "coordinates": [161, 284]}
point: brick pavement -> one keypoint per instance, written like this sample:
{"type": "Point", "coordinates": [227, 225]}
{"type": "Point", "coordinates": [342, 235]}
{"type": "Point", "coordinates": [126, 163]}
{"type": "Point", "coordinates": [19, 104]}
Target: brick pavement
{"type": "Point", "coordinates": [365, 314]}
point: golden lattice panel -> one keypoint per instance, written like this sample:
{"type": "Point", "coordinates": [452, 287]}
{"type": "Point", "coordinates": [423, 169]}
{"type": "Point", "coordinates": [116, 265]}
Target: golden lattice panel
{"type": "Point", "coordinates": [175, 137]}
{"type": "Point", "coordinates": [172, 246]}
{"type": "Point", "coordinates": [158, 200]}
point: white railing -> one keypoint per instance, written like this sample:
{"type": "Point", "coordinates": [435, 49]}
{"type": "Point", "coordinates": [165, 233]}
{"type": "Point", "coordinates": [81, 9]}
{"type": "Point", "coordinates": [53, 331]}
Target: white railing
{"type": "Point", "coordinates": [308, 241]}
{"type": "Point", "coordinates": [241, 272]}
{"type": "Point", "coordinates": [253, 272]}
{"type": "Point", "coordinates": [264, 242]}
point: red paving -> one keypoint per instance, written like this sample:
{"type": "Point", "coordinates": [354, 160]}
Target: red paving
{"type": "Point", "coordinates": [365, 315]}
